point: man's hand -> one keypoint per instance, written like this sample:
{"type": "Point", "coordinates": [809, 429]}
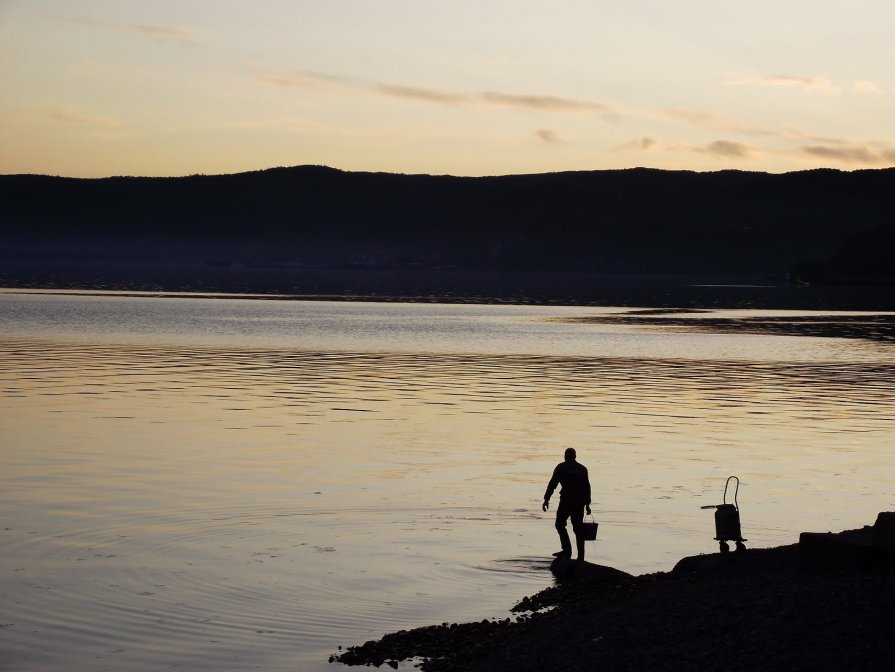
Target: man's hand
{"type": "Point", "coordinates": [587, 508]}
{"type": "Point", "coordinates": [545, 505]}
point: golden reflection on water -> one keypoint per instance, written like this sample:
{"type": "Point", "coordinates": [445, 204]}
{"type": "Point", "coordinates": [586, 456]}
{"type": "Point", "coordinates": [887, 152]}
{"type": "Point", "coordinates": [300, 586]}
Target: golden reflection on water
{"type": "Point", "coordinates": [218, 502]}
{"type": "Point", "coordinates": [198, 424]}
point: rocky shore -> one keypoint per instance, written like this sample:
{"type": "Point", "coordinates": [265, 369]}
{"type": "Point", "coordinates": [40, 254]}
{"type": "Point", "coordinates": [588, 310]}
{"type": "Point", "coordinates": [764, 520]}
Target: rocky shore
{"type": "Point", "coordinates": [825, 603]}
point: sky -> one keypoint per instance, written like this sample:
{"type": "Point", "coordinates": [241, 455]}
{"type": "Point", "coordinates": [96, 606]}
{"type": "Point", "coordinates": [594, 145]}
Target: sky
{"type": "Point", "coordinates": [92, 88]}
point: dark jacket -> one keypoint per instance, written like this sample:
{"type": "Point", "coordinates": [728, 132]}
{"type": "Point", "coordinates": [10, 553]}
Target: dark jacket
{"type": "Point", "coordinates": [575, 485]}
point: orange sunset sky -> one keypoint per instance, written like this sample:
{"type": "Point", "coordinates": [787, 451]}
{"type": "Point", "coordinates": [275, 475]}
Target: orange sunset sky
{"type": "Point", "coordinates": [467, 87]}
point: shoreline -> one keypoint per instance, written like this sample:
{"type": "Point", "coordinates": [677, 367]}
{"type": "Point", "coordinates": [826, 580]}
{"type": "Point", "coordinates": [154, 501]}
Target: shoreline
{"type": "Point", "coordinates": [861, 323]}
{"type": "Point", "coordinates": [453, 286]}
{"type": "Point", "coordinates": [822, 604]}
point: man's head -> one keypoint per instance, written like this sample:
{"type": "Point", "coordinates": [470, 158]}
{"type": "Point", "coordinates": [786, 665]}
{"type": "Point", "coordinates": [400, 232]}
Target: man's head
{"type": "Point", "coordinates": [569, 454]}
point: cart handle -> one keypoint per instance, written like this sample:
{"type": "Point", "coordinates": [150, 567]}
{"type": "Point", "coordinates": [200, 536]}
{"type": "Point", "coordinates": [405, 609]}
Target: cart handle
{"type": "Point", "coordinates": [735, 492]}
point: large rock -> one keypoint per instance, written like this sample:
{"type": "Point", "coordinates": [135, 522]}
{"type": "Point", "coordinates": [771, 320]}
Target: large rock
{"type": "Point", "coordinates": [862, 549]}
{"type": "Point", "coordinates": [748, 560]}
{"type": "Point", "coordinates": [565, 568]}
{"type": "Point", "coordinates": [884, 531]}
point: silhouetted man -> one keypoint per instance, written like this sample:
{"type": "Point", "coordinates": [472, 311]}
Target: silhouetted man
{"type": "Point", "coordinates": [574, 498]}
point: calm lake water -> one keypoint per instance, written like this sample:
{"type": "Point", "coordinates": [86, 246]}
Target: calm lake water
{"type": "Point", "coordinates": [212, 484]}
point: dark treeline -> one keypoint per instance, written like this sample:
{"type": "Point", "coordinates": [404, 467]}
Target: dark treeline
{"type": "Point", "coordinates": [824, 225]}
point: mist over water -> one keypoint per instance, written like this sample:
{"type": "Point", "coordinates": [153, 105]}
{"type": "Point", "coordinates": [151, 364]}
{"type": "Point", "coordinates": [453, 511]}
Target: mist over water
{"type": "Point", "coordinates": [237, 484]}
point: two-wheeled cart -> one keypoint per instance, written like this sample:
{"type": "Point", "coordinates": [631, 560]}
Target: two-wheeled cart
{"type": "Point", "coordinates": [727, 520]}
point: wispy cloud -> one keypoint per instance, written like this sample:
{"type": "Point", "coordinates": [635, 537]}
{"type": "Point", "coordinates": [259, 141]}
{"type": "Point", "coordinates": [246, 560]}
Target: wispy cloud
{"type": "Point", "coordinates": [695, 117]}
{"type": "Point", "coordinates": [421, 94]}
{"type": "Point", "coordinates": [855, 154]}
{"type": "Point", "coordinates": [162, 32]}
{"type": "Point", "coordinates": [866, 86]}
{"type": "Point", "coordinates": [712, 121]}
{"type": "Point", "coordinates": [276, 124]}
{"type": "Point", "coordinates": [73, 117]}
{"type": "Point", "coordinates": [801, 136]}
{"type": "Point", "coordinates": [720, 149]}
{"type": "Point", "coordinates": [643, 144]}
{"type": "Point", "coordinates": [304, 79]}
{"type": "Point", "coordinates": [288, 80]}
{"type": "Point", "coordinates": [549, 136]}
{"type": "Point", "coordinates": [830, 150]}
{"type": "Point", "coordinates": [727, 149]}
{"type": "Point", "coordinates": [80, 123]}
{"type": "Point", "coordinates": [154, 32]}
{"type": "Point", "coordinates": [812, 83]}
{"type": "Point", "coordinates": [547, 103]}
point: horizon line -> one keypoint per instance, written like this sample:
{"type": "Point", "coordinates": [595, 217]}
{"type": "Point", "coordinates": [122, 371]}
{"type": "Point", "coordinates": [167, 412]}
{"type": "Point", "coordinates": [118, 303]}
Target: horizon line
{"type": "Point", "coordinates": [454, 176]}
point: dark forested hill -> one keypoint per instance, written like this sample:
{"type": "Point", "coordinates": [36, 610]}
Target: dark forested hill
{"type": "Point", "coordinates": [824, 223]}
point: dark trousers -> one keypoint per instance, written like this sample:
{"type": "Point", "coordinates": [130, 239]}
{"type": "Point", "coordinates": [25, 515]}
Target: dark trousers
{"type": "Point", "coordinates": [564, 511]}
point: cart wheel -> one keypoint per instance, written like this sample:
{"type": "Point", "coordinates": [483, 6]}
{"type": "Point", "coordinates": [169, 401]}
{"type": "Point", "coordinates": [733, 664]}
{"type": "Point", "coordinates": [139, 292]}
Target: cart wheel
{"type": "Point", "coordinates": [740, 547]}
{"type": "Point", "coordinates": [724, 547]}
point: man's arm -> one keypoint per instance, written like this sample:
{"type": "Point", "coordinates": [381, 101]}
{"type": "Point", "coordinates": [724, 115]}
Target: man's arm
{"type": "Point", "coordinates": [551, 486]}
{"type": "Point", "coordinates": [587, 491]}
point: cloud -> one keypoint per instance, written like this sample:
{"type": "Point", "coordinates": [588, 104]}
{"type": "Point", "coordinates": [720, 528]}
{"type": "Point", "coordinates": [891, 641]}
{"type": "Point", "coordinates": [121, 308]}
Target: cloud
{"type": "Point", "coordinates": [720, 149]}
{"type": "Point", "coordinates": [802, 136]}
{"type": "Point", "coordinates": [155, 32]}
{"type": "Point", "coordinates": [866, 86]}
{"type": "Point", "coordinates": [308, 79]}
{"type": "Point", "coordinates": [853, 154]}
{"type": "Point", "coordinates": [97, 127]}
{"type": "Point", "coordinates": [694, 117]}
{"type": "Point", "coordinates": [802, 82]}
{"type": "Point", "coordinates": [805, 83]}
{"type": "Point", "coordinates": [276, 124]}
{"type": "Point", "coordinates": [712, 121]}
{"type": "Point", "coordinates": [304, 79]}
{"type": "Point", "coordinates": [728, 149]}
{"type": "Point", "coordinates": [643, 144]}
{"type": "Point", "coordinates": [421, 94]}
{"type": "Point", "coordinates": [547, 103]}
{"type": "Point", "coordinates": [287, 80]}
{"type": "Point", "coordinates": [549, 136]}
{"type": "Point", "coordinates": [808, 83]}
{"type": "Point", "coordinates": [162, 32]}
{"type": "Point", "coordinates": [76, 118]}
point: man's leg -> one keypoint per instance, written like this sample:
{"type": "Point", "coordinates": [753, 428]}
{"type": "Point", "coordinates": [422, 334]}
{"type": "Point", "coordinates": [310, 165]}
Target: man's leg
{"type": "Point", "coordinates": [577, 515]}
{"type": "Point", "coordinates": [562, 514]}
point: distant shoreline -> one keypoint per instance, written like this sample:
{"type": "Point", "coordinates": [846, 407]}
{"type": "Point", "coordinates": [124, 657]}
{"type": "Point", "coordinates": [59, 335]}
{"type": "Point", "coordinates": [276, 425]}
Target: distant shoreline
{"type": "Point", "coordinates": [456, 286]}
{"type": "Point", "coordinates": [865, 322]}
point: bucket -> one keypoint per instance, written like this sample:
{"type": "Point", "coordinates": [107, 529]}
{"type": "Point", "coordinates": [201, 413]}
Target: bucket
{"type": "Point", "coordinates": [589, 530]}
